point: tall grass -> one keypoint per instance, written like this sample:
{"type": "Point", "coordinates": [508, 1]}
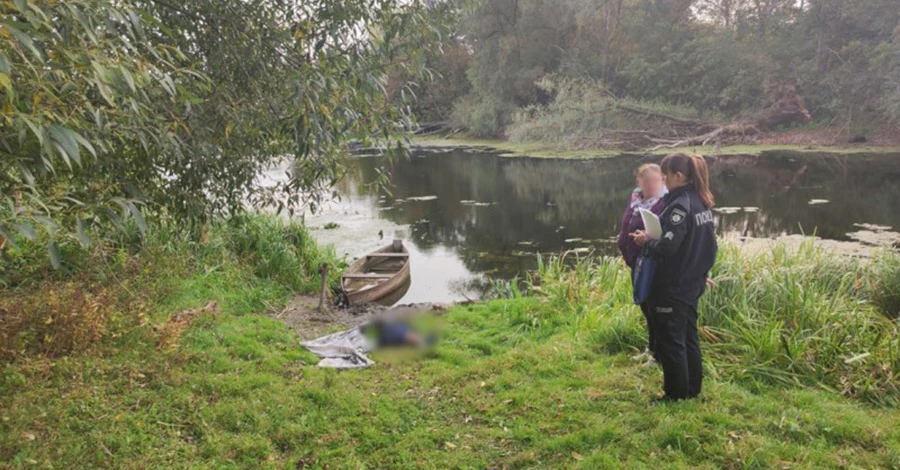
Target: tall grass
{"type": "Point", "coordinates": [805, 317]}
{"type": "Point", "coordinates": [801, 317]}
{"type": "Point", "coordinates": [886, 293]}
{"type": "Point", "coordinates": [123, 284]}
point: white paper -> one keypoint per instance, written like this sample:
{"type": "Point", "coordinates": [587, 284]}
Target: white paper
{"type": "Point", "coordinates": [651, 224]}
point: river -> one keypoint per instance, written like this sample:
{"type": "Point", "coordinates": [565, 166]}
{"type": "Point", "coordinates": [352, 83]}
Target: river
{"type": "Point", "coordinates": [468, 214]}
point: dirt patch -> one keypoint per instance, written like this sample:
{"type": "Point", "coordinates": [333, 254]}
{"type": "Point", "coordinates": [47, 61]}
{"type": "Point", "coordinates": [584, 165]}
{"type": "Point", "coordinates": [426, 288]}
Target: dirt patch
{"type": "Point", "coordinates": [170, 331]}
{"type": "Point", "coordinates": [303, 316]}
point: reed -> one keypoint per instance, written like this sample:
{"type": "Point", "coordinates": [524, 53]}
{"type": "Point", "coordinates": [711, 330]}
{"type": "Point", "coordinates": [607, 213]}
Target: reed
{"type": "Point", "coordinates": [803, 317]}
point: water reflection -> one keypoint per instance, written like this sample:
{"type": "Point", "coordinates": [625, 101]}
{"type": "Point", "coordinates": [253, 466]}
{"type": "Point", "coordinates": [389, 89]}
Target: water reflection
{"type": "Point", "coordinates": [468, 213]}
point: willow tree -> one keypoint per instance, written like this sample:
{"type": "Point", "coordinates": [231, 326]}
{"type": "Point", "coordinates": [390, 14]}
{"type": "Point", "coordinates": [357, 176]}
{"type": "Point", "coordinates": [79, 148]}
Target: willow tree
{"type": "Point", "coordinates": [114, 110]}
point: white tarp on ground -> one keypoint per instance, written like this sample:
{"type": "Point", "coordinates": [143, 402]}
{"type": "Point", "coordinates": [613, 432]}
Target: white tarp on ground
{"type": "Point", "coordinates": [342, 350]}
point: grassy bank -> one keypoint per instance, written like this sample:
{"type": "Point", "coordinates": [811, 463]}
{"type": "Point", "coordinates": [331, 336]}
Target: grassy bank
{"type": "Point", "coordinates": [538, 149]}
{"type": "Point", "coordinates": [124, 286]}
{"type": "Point", "coordinates": [800, 317]}
{"type": "Point", "coordinates": [536, 381]}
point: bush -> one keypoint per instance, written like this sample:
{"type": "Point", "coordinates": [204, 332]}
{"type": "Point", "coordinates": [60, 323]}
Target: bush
{"type": "Point", "coordinates": [63, 318]}
{"type": "Point", "coordinates": [482, 116]}
{"type": "Point", "coordinates": [115, 287]}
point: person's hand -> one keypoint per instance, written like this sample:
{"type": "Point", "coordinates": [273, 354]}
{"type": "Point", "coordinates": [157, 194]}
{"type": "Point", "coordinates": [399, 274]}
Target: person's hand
{"type": "Point", "coordinates": [710, 283]}
{"type": "Point", "coordinates": [640, 237]}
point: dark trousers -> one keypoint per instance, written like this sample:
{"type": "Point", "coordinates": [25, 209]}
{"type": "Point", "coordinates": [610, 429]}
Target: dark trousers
{"type": "Point", "coordinates": [677, 346]}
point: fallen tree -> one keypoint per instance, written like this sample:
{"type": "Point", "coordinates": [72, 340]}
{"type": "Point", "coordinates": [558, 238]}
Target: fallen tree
{"type": "Point", "coordinates": [790, 108]}
{"type": "Point", "coordinates": [584, 114]}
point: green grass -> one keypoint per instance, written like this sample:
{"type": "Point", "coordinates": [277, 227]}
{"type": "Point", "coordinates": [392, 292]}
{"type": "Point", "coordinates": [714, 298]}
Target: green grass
{"type": "Point", "coordinates": [552, 150]}
{"type": "Point", "coordinates": [536, 381]}
{"type": "Point", "coordinates": [794, 318]}
{"type": "Point", "coordinates": [241, 394]}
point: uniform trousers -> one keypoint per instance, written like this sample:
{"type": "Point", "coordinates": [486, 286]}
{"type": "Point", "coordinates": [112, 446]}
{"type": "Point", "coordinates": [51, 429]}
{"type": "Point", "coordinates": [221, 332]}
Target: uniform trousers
{"type": "Point", "coordinates": [677, 344]}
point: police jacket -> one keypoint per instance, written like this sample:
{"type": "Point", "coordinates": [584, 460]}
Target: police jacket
{"type": "Point", "coordinates": [687, 249]}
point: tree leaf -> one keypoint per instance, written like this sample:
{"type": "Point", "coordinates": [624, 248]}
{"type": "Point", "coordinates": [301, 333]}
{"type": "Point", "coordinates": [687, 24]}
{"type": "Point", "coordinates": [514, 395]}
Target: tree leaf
{"type": "Point", "coordinates": [137, 23]}
{"type": "Point", "coordinates": [168, 84]}
{"type": "Point", "coordinates": [36, 129]}
{"type": "Point", "coordinates": [81, 140]}
{"type": "Point", "coordinates": [48, 223]}
{"type": "Point", "coordinates": [27, 230]}
{"type": "Point", "coordinates": [7, 236]}
{"type": "Point", "coordinates": [24, 40]}
{"type": "Point", "coordinates": [138, 216]}
{"type": "Point", "coordinates": [129, 79]}
{"type": "Point", "coordinates": [81, 232]}
{"type": "Point", "coordinates": [6, 83]}
{"type": "Point", "coordinates": [114, 218]}
{"type": "Point", "coordinates": [55, 259]}
{"type": "Point", "coordinates": [66, 143]}
{"type": "Point", "coordinates": [27, 174]}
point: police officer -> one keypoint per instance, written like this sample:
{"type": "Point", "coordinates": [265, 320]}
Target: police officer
{"type": "Point", "coordinates": [685, 253]}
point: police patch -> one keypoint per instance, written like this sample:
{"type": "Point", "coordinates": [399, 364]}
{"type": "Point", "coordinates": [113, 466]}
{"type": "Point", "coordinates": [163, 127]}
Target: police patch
{"type": "Point", "coordinates": [677, 216]}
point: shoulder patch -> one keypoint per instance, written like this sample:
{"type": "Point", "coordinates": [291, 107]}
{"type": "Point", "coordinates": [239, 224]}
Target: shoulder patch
{"type": "Point", "coordinates": [677, 216]}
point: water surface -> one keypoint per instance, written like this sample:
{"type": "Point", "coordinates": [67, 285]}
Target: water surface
{"type": "Point", "coordinates": [467, 214]}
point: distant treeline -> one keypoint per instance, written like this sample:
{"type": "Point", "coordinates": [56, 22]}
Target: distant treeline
{"type": "Point", "coordinates": [713, 59]}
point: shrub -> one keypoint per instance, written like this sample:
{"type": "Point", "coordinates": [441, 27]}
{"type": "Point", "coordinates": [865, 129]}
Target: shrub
{"type": "Point", "coordinates": [482, 116]}
{"type": "Point", "coordinates": [62, 319]}
{"type": "Point", "coordinates": [116, 285]}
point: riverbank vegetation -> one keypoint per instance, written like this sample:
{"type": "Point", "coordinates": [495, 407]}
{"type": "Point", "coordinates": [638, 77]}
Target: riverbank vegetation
{"type": "Point", "coordinates": [176, 364]}
{"type": "Point", "coordinates": [789, 317]}
{"type": "Point", "coordinates": [117, 111]}
{"type": "Point", "coordinates": [119, 291]}
{"type": "Point", "coordinates": [139, 294]}
{"type": "Point", "coordinates": [562, 150]}
{"type": "Point", "coordinates": [636, 74]}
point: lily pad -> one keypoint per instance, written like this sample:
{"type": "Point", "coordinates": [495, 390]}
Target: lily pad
{"type": "Point", "coordinates": [727, 210]}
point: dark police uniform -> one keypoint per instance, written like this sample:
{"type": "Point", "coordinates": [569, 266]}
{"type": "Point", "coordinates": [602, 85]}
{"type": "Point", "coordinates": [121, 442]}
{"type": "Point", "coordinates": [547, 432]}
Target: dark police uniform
{"type": "Point", "coordinates": [686, 252]}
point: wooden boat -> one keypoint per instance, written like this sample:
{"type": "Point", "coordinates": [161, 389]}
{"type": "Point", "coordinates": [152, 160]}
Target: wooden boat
{"type": "Point", "coordinates": [377, 274]}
